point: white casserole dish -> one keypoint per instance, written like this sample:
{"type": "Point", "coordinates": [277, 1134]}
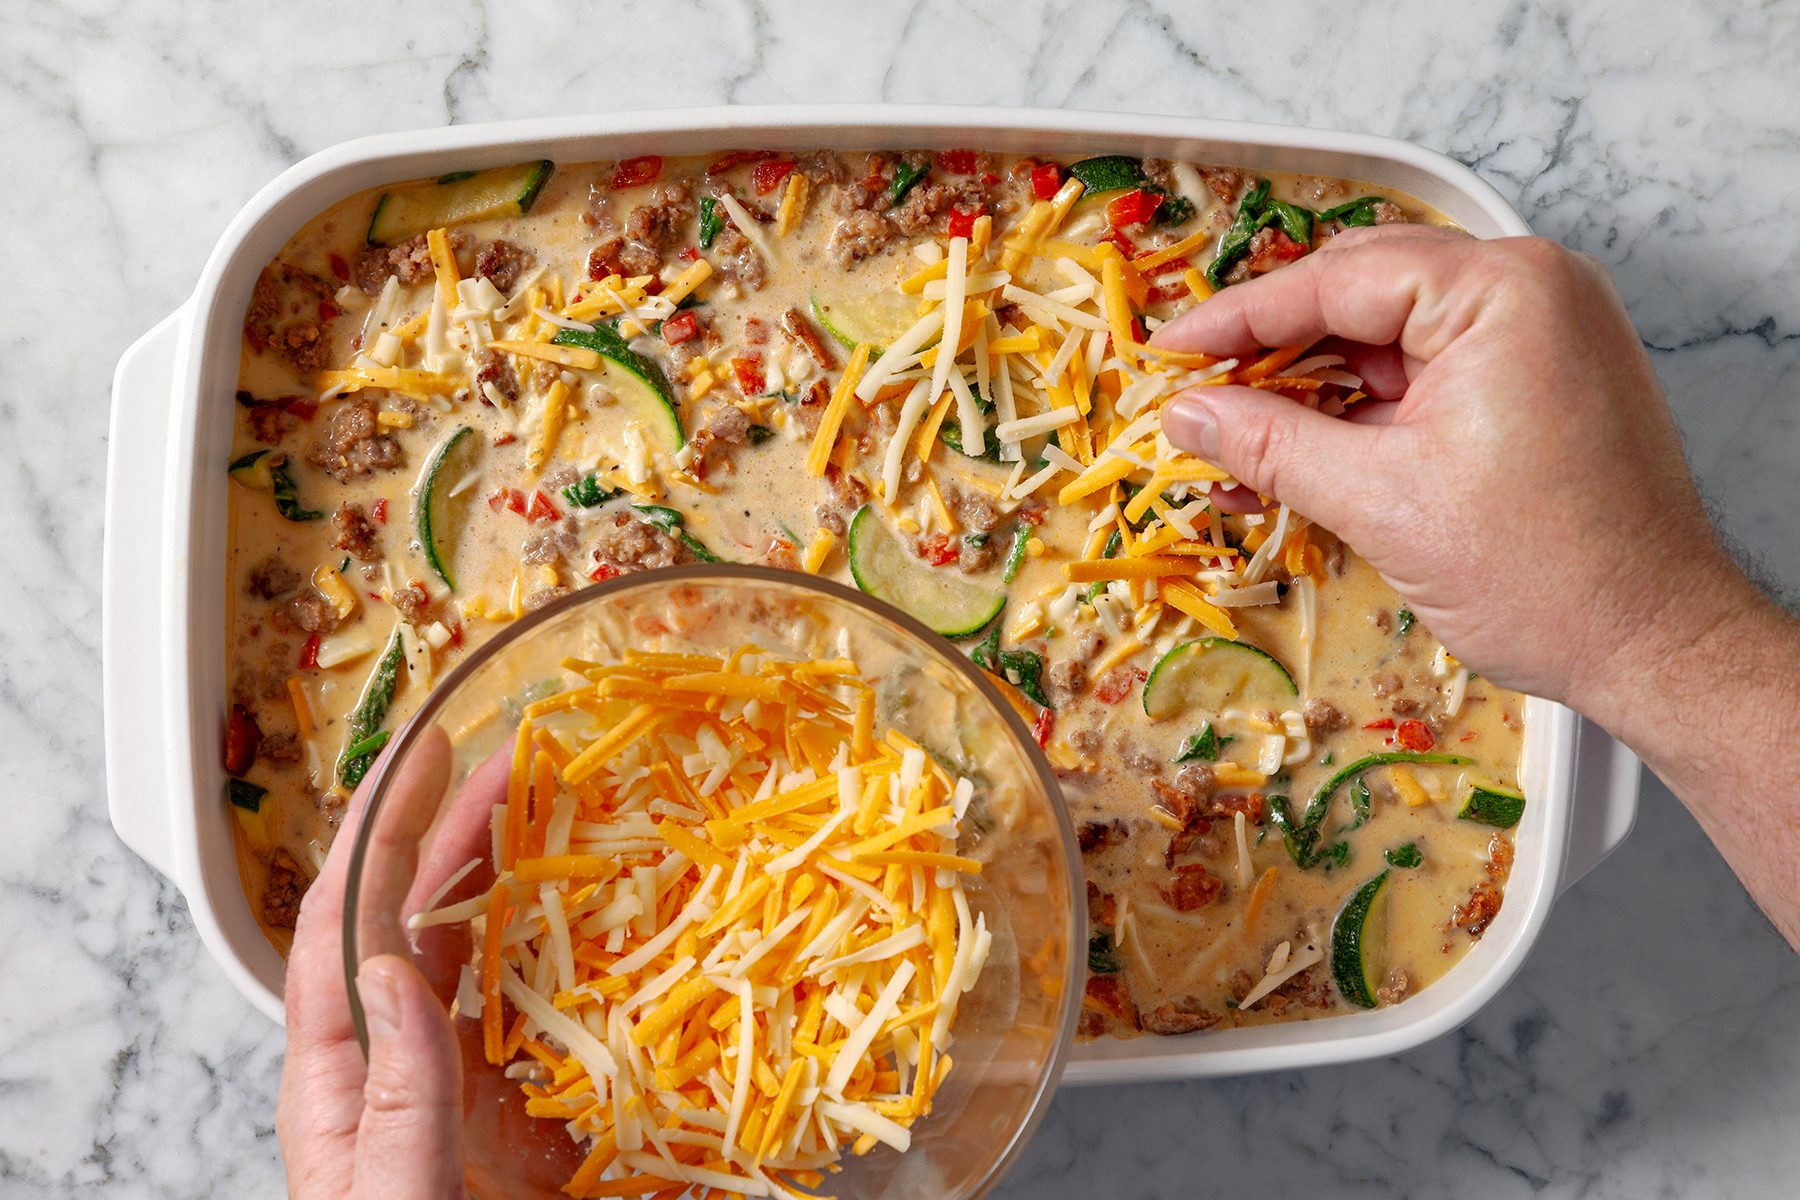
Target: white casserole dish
{"type": "Point", "coordinates": [164, 648]}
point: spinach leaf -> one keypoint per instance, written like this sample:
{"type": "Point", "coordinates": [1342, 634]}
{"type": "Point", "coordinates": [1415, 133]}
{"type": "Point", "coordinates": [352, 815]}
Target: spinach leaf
{"type": "Point", "coordinates": [1360, 803]}
{"type": "Point", "coordinates": [287, 495]}
{"type": "Point", "coordinates": [1202, 746]}
{"type": "Point", "coordinates": [986, 654]}
{"type": "Point", "coordinates": [1302, 837]}
{"type": "Point", "coordinates": [1110, 550]}
{"type": "Point", "coordinates": [245, 795]}
{"type": "Point", "coordinates": [1294, 221]}
{"type": "Point", "coordinates": [1024, 669]}
{"type": "Point", "coordinates": [710, 221]}
{"type": "Point", "coordinates": [1102, 960]}
{"type": "Point", "coordinates": [587, 493]}
{"type": "Point", "coordinates": [950, 433]}
{"type": "Point", "coordinates": [1256, 211]}
{"type": "Point", "coordinates": [670, 522]}
{"type": "Point", "coordinates": [1174, 210]}
{"type": "Point", "coordinates": [760, 434]}
{"type": "Point", "coordinates": [1335, 855]}
{"type": "Point", "coordinates": [1406, 619]}
{"type": "Point", "coordinates": [1407, 855]}
{"type": "Point", "coordinates": [1015, 557]}
{"type": "Point", "coordinates": [354, 763]}
{"type": "Point", "coordinates": [1360, 211]}
{"type": "Point", "coordinates": [905, 178]}
{"type": "Point", "coordinates": [975, 539]}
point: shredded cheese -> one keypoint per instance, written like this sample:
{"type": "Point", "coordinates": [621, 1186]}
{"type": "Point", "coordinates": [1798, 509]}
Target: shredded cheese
{"type": "Point", "coordinates": [738, 998]}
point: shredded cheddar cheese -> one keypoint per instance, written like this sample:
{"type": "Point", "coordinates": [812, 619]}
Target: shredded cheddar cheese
{"type": "Point", "coordinates": [722, 1002]}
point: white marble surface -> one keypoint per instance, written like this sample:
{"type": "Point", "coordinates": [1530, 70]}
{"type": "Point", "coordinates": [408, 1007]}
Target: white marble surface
{"type": "Point", "coordinates": [1652, 1045]}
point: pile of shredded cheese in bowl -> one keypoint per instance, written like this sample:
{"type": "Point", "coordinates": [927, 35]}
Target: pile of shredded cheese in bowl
{"type": "Point", "coordinates": [728, 919]}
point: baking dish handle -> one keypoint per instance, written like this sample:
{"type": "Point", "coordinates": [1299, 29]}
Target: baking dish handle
{"type": "Point", "coordinates": [132, 571]}
{"type": "Point", "coordinates": [1606, 801]}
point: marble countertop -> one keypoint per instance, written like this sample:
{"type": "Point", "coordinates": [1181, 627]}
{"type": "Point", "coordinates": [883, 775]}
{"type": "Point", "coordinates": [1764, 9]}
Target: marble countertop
{"type": "Point", "coordinates": [1651, 1046]}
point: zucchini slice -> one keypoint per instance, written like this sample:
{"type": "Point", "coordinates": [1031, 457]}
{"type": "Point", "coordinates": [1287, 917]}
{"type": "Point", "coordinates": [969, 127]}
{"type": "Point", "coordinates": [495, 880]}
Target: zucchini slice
{"type": "Point", "coordinates": [456, 199]}
{"type": "Point", "coordinates": [1491, 804]}
{"type": "Point", "coordinates": [639, 383]}
{"type": "Point", "coordinates": [944, 600]}
{"type": "Point", "coordinates": [255, 470]}
{"type": "Point", "coordinates": [1213, 673]}
{"type": "Point", "coordinates": [437, 514]}
{"type": "Point", "coordinates": [877, 318]}
{"type": "Point", "coordinates": [1359, 943]}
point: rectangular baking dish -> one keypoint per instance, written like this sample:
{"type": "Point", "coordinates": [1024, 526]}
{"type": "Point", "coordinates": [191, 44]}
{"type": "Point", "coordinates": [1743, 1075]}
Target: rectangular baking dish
{"type": "Point", "coordinates": [164, 615]}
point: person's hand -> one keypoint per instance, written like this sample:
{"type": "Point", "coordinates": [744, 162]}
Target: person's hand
{"type": "Point", "coordinates": [388, 1128]}
{"type": "Point", "coordinates": [1517, 477]}
{"type": "Point", "coordinates": [1519, 480]}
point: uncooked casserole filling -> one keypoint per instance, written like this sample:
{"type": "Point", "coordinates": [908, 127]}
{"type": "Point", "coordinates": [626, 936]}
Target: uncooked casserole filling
{"type": "Point", "coordinates": [929, 375]}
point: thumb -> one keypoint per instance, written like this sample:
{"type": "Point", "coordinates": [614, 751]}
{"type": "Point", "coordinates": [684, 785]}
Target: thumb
{"type": "Point", "coordinates": [1272, 444]}
{"type": "Point", "coordinates": [409, 1145]}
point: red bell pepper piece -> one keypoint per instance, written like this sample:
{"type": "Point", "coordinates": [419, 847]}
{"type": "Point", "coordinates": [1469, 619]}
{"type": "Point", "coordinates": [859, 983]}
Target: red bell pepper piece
{"type": "Point", "coordinates": [1133, 208]}
{"type": "Point", "coordinates": [379, 510]}
{"type": "Point", "coordinates": [962, 224]}
{"type": "Point", "coordinates": [340, 268]}
{"type": "Point", "coordinates": [1384, 723]}
{"type": "Point", "coordinates": [309, 653]}
{"type": "Point", "coordinates": [1045, 180]}
{"type": "Point", "coordinates": [603, 572]}
{"type": "Point", "coordinates": [765, 177]}
{"type": "Point", "coordinates": [1040, 729]}
{"type": "Point", "coordinates": [939, 549]}
{"type": "Point", "coordinates": [957, 162]}
{"type": "Point", "coordinates": [738, 158]}
{"type": "Point", "coordinates": [1117, 684]}
{"type": "Point", "coordinates": [542, 509]}
{"type": "Point", "coordinates": [242, 738]}
{"type": "Point", "coordinates": [1415, 736]}
{"type": "Point", "coordinates": [635, 172]}
{"type": "Point", "coordinates": [750, 378]}
{"type": "Point", "coordinates": [680, 327]}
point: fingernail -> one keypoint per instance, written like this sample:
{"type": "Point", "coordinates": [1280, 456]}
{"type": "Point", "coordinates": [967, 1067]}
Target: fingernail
{"type": "Point", "coordinates": [380, 996]}
{"type": "Point", "coordinates": [1191, 424]}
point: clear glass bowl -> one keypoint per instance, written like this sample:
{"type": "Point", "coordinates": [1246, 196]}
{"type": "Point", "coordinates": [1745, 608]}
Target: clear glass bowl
{"type": "Point", "coordinates": [1012, 1031]}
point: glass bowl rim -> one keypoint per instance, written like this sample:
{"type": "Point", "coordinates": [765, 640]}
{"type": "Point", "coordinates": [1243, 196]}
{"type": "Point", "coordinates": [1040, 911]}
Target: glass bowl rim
{"type": "Point", "coordinates": [935, 643]}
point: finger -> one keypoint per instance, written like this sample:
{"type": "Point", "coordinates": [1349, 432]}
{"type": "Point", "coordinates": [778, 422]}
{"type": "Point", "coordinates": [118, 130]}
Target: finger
{"type": "Point", "coordinates": [1236, 499]}
{"type": "Point", "coordinates": [409, 1146]}
{"type": "Point", "coordinates": [1272, 444]}
{"type": "Point", "coordinates": [322, 1075]}
{"type": "Point", "coordinates": [1380, 289]}
{"type": "Point", "coordinates": [1382, 369]}
{"type": "Point", "coordinates": [1373, 412]}
{"type": "Point", "coordinates": [317, 1010]}
{"type": "Point", "coordinates": [464, 832]}
{"type": "Point", "coordinates": [391, 858]}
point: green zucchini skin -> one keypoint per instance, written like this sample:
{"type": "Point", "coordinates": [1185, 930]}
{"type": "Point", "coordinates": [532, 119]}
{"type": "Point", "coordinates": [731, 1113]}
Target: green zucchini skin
{"type": "Point", "coordinates": [1352, 970]}
{"type": "Point", "coordinates": [637, 381]}
{"type": "Point", "coordinates": [952, 606]}
{"type": "Point", "coordinates": [455, 199]}
{"type": "Point", "coordinates": [1490, 804]}
{"type": "Point", "coordinates": [1167, 688]}
{"type": "Point", "coordinates": [432, 516]}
